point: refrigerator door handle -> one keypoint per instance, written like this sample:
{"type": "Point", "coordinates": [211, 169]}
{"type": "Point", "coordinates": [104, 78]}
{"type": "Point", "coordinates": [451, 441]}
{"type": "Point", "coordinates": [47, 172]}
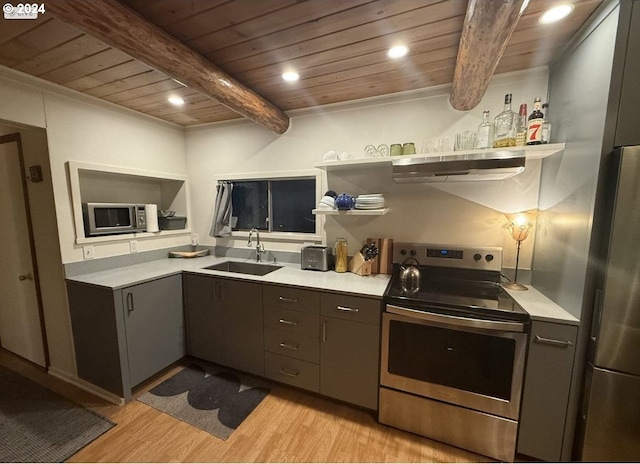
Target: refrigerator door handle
{"type": "Point", "coordinates": [597, 315]}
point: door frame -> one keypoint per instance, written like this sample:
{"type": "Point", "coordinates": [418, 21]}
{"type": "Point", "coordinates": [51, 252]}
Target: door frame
{"type": "Point", "coordinates": [15, 137]}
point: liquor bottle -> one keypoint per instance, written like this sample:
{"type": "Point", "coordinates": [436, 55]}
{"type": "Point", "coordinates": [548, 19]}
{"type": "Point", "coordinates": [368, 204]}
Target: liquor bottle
{"type": "Point", "coordinates": [485, 132]}
{"type": "Point", "coordinates": [521, 131]}
{"type": "Point", "coordinates": [546, 125]}
{"type": "Point", "coordinates": [505, 126]}
{"type": "Point", "coordinates": [534, 127]}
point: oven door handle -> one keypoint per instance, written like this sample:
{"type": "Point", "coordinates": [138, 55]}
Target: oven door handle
{"type": "Point", "coordinates": [457, 320]}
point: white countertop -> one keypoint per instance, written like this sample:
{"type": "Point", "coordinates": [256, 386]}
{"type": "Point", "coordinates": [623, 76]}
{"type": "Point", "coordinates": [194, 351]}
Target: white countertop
{"type": "Point", "coordinates": [539, 307]}
{"type": "Point", "coordinates": [288, 274]}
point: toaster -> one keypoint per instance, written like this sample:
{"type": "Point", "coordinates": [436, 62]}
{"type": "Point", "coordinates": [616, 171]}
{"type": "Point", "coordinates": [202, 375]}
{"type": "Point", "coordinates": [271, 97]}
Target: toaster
{"type": "Point", "coordinates": [317, 258]}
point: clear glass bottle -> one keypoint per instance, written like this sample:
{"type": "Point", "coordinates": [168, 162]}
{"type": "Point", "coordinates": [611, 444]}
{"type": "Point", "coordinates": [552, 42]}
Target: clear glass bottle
{"type": "Point", "coordinates": [546, 125]}
{"type": "Point", "coordinates": [341, 254]}
{"type": "Point", "coordinates": [485, 132]}
{"type": "Point", "coordinates": [534, 126]}
{"type": "Point", "coordinates": [521, 131]}
{"type": "Point", "coordinates": [505, 126]}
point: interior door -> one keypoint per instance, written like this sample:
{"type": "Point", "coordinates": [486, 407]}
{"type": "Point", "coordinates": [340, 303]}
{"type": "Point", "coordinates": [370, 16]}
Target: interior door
{"type": "Point", "coordinates": [21, 330]}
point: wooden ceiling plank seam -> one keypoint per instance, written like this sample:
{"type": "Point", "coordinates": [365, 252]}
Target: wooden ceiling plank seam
{"type": "Point", "coordinates": [37, 41]}
{"type": "Point", "coordinates": [162, 100]}
{"type": "Point", "coordinates": [223, 16]}
{"type": "Point", "coordinates": [157, 11]}
{"type": "Point", "coordinates": [164, 112]}
{"type": "Point", "coordinates": [289, 40]}
{"type": "Point", "coordinates": [131, 95]}
{"type": "Point", "coordinates": [124, 29]}
{"type": "Point", "coordinates": [129, 83]}
{"type": "Point", "coordinates": [372, 90]}
{"type": "Point", "coordinates": [439, 65]}
{"type": "Point", "coordinates": [85, 66]}
{"type": "Point", "coordinates": [487, 28]}
{"type": "Point", "coordinates": [274, 22]}
{"type": "Point", "coordinates": [355, 73]}
{"type": "Point", "coordinates": [12, 30]}
{"type": "Point", "coordinates": [362, 33]}
{"type": "Point", "coordinates": [111, 73]}
{"type": "Point", "coordinates": [65, 53]}
{"type": "Point", "coordinates": [446, 44]}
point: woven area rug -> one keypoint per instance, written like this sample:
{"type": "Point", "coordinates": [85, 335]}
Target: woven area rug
{"type": "Point", "coordinates": [37, 425]}
{"type": "Point", "coordinates": [209, 397]}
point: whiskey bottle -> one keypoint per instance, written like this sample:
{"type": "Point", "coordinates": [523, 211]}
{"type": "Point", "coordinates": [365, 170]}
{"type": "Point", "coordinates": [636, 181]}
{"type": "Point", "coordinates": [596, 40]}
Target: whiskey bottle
{"type": "Point", "coordinates": [534, 127]}
{"type": "Point", "coordinates": [505, 126]}
{"type": "Point", "coordinates": [485, 132]}
{"type": "Point", "coordinates": [521, 131]}
{"type": "Point", "coordinates": [546, 125]}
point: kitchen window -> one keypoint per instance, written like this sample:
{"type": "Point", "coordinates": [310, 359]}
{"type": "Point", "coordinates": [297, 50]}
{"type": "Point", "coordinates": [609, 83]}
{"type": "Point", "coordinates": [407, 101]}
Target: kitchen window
{"type": "Point", "coordinates": [278, 204]}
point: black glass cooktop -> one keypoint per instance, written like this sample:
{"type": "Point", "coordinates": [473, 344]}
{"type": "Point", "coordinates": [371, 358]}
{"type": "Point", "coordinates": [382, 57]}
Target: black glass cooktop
{"type": "Point", "coordinates": [455, 291]}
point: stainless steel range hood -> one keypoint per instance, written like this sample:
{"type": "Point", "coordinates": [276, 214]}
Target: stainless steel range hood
{"type": "Point", "coordinates": [489, 165]}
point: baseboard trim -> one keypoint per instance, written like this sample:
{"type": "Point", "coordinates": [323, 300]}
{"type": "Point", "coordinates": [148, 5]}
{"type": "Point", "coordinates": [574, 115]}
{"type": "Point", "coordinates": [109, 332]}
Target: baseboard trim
{"type": "Point", "coordinates": [86, 386]}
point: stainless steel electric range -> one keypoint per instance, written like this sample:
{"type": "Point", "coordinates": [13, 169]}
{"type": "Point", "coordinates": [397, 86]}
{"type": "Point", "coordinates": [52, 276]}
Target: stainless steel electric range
{"type": "Point", "coordinates": [453, 348]}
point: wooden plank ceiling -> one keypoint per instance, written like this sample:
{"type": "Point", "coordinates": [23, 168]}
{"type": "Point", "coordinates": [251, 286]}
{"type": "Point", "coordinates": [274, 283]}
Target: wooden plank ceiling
{"type": "Point", "coordinates": [337, 46]}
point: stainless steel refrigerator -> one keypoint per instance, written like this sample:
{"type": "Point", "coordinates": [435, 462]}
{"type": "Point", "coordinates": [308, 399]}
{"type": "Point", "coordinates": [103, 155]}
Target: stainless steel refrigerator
{"type": "Point", "coordinates": [611, 398]}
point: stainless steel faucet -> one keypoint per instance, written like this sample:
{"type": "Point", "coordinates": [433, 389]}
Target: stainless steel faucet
{"type": "Point", "coordinates": [259, 246]}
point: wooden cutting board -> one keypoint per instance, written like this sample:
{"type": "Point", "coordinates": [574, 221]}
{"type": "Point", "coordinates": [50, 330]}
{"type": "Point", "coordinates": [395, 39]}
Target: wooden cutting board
{"type": "Point", "coordinates": [188, 254]}
{"type": "Point", "coordinates": [386, 256]}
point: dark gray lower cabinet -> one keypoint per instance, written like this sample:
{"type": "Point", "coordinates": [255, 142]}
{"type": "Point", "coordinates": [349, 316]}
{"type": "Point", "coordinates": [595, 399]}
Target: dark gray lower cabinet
{"type": "Point", "coordinates": [122, 337]}
{"type": "Point", "coordinates": [224, 322]}
{"type": "Point", "coordinates": [546, 390]}
{"type": "Point", "coordinates": [349, 363]}
{"type": "Point", "coordinates": [350, 348]}
{"type": "Point", "coordinates": [154, 326]}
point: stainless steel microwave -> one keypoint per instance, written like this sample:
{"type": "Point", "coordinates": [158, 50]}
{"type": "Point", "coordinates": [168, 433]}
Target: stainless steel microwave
{"type": "Point", "coordinates": [113, 218]}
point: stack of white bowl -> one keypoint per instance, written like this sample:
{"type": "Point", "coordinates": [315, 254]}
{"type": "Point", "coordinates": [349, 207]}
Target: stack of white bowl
{"type": "Point", "coordinates": [370, 201]}
{"type": "Point", "coordinates": [327, 202]}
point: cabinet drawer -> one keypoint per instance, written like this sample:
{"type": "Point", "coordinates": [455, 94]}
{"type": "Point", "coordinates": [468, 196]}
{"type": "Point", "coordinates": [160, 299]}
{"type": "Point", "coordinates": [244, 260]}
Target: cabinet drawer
{"type": "Point", "coordinates": [294, 372]}
{"type": "Point", "coordinates": [290, 321]}
{"type": "Point", "coordinates": [292, 345]}
{"type": "Point", "coordinates": [352, 308]}
{"type": "Point", "coordinates": [306, 301]}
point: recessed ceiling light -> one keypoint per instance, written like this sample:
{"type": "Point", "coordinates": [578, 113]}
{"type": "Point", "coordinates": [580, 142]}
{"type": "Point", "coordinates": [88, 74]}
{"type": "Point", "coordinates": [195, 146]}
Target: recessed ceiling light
{"type": "Point", "coordinates": [176, 101]}
{"type": "Point", "coordinates": [556, 13]}
{"type": "Point", "coordinates": [290, 76]}
{"type": "Point", "coordinates": [398, 51]}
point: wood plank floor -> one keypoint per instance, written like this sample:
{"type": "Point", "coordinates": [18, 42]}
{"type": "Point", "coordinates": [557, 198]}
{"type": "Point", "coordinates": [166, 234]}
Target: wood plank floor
{"type": "Point", "coordinates": [288, 426]}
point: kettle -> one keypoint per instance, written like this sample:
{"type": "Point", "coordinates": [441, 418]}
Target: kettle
{"type": "Point", "coordinates": [410, 275]}
{"type": "Point", "coordinates": [345, 201]}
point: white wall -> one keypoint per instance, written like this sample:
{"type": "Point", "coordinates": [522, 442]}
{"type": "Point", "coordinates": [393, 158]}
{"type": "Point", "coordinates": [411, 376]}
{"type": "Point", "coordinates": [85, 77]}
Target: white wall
{"type": "Point", "coordinates": [462, 214]}
{"type": "Point", "coordinates": [81, 129]}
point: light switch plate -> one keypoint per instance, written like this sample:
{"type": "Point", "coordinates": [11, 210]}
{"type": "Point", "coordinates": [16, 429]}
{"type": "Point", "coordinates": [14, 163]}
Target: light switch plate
{"type": "Point", "coordinates": [87, 251]}
{"type": "Point", "coordinates": [133, 246]}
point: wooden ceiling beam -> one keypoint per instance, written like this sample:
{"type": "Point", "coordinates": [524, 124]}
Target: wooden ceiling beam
{"type": "Point", "coordinates": [488, 25]}
{"type": "Point", "coordinates": [124, 29]}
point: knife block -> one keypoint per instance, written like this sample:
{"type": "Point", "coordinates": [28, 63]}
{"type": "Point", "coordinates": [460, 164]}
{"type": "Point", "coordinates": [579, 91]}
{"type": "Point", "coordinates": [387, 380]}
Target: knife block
{"type": "Point", "coordinates": [359, 266]}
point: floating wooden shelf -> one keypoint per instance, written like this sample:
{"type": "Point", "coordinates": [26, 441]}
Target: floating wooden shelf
{"type": "Point", "coordinates": [531, 152]}
{"type": "Point", "coordinates": [352, 212]}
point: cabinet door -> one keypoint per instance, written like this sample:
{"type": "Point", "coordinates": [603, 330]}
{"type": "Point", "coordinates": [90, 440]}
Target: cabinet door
{"type": "Point", "coordinates": [203, 310]}
{"type": "Point", "coordinates": [349, 361]}
{"type": "Point", "coordinates": [154, 326]}
{"type": "Point", "coordinates": [244, 339]}
{"type": "Point", "coordinates": [546, 390]}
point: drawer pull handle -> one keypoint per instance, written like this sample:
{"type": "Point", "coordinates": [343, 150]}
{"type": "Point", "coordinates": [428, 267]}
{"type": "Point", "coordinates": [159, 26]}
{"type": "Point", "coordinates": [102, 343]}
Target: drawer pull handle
{"type": "Point", "coordinates": [290, 346]}
{"type": "Point", "coordinates": [289, 372]}
{"type": "Point", "coordinates": [284, 299]}
{"type": "Point", "coordinates": [347, 309]}
{"type": "Point", "coordinates": [284, 321]}
{"type": "Point", "coordinates": [550, 341]}
{"type": "Point", "coordinates": [130, 306]}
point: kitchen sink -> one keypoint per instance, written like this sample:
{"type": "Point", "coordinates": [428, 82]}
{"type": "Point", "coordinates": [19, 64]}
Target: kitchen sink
{"type": "Point", "coordinates": [244, 268]}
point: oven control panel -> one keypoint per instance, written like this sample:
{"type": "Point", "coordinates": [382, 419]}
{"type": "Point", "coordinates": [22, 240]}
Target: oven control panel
{"type": "Point", "coordinates": [482, 258]}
